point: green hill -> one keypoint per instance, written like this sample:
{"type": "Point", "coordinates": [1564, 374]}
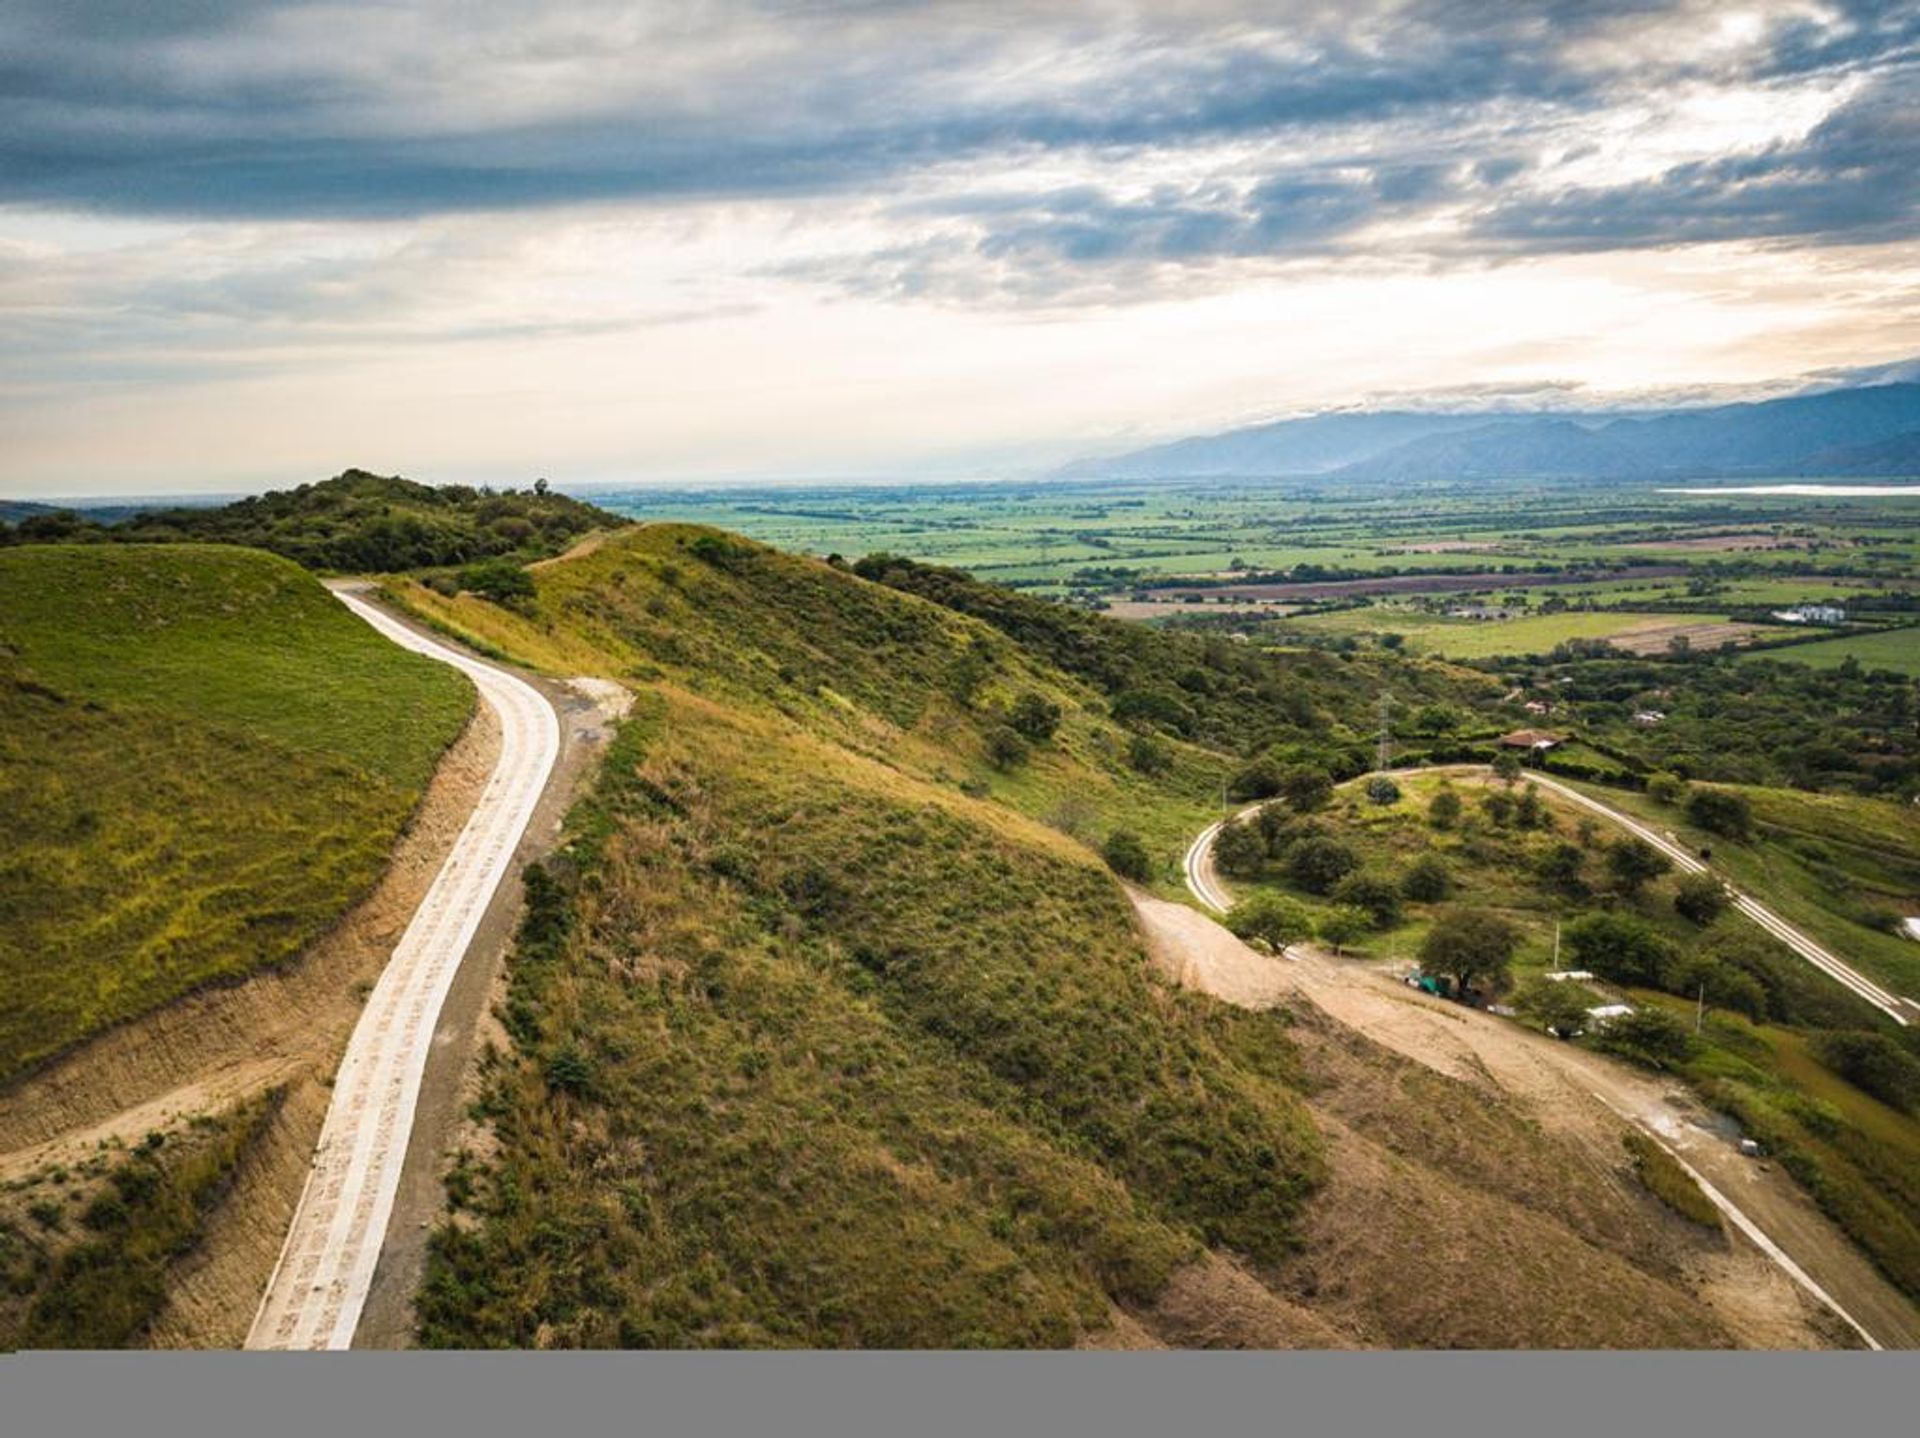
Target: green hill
{"type": "Point", "coordinates": [204, 760]}
{"type": "Point", "coordinates": [355, 523]}
{"type": "Point", "coordinates": [829, 1027]}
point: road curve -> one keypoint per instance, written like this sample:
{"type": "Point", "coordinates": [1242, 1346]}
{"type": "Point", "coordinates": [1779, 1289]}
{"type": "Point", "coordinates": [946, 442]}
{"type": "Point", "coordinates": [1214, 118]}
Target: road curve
{"type": "Point", "coordinates": [320, 1283]}
{"type": "Point", "coordinates": [1207, 888]}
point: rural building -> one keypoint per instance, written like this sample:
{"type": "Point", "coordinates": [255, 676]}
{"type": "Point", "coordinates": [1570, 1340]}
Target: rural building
{"type": "Point", "coordinates": [1478, 611]}
{"type": "Point", "coordinates": [1647, 718]}
{"type": "Point", "coordinates": [1536, 740]}
{"type": "Point", "coordinates": [1812, 614]}
{"type": "Point", "coordinates": [1538, 706]}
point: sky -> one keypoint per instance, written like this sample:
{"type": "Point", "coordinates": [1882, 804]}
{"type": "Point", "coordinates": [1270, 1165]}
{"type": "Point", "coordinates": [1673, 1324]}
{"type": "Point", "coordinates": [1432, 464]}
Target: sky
{"type": "Point", "coordinates": [250, 244]}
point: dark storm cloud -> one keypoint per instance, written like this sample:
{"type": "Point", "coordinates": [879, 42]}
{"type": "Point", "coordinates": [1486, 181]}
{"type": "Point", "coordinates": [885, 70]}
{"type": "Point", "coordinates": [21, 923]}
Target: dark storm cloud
{"type": "Point", "coordinates": [1351, 115]}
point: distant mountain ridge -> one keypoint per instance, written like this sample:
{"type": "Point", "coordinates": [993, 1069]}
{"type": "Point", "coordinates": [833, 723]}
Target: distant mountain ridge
{"type": "Point", "coordinates": [1869, 430]}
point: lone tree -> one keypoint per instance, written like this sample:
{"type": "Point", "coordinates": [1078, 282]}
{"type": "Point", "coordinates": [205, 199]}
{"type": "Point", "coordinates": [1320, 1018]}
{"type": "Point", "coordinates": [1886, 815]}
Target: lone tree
{"type": "Point", "coordinates": [1623, 948]}
{"type": "Point", "coordinates": [1316, 865]}
{"type": "Point", "coordinates": [1634, 863]}
{"type": "Point", "coordinates": [1273, 919]}
{"type": "Point", "coordinates": [1506, 766]}
{"type": "Point", "coordinates": [1559, 1008]}
{"type": "Point", "coordinates": [1428, 881]}
{"type": "Point", "coordinates": [1444, 811]}
{"type": "Point", "coordinates": [1382, 790]}
{"type": "Point", "coordinates": [500, 580]}
{"type": "Point", "coordinates": [1471, 947]}
{"type": "Point", "coordinates": [1150, 754]}
{"type": "Point", "coordinates": [1127, 856]}
{"type": "Point", "coordinates": [1239, 850]}
{"type": "Point", "coordinates": [1344, 925]}
{"type": "Point", "coordinates": [1306, 788]}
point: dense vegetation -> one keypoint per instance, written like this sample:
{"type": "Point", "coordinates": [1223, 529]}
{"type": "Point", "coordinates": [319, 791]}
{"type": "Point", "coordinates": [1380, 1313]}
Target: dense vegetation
{"type": "Point", "coordinates": [356, 522]}
{"type": "Point", "coordinates": [204, 759]}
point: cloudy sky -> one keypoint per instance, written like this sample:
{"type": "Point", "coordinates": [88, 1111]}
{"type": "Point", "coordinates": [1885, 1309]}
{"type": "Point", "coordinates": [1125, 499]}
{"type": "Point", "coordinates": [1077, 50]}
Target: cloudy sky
{"type": "Point", "coordinates": [246, 243]}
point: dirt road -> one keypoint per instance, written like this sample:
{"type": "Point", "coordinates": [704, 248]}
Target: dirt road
{"type": "Point", "coordinates": [319, 1286]}
{"type": "Point", "coordinates": [1761, 1201]}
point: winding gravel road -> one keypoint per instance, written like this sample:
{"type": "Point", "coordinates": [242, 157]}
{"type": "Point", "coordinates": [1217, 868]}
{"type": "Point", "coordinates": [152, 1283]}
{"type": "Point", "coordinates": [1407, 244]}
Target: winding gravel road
{"type": "Point", "coordinates": [1205, 885]}
{"type": "Point", "coordinates": [320, 1284]}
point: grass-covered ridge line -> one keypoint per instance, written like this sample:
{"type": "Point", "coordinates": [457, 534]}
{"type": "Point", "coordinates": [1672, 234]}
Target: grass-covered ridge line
{"type": "Point", "coordinates": [204, 760]}
{"type": "Point", "coordinates": [355, 522]}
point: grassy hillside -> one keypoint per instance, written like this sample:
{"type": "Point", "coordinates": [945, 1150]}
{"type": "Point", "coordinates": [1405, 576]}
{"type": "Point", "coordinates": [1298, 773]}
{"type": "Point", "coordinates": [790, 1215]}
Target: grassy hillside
{"type": "Point", "coordinates": [827, 1030]}
{"type": "Point", "coordinates": [204, 759]}
{"type": "Point", "coordinates": [355, 522]}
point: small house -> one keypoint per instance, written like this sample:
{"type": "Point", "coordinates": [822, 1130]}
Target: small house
{"type": "Point", "coordinates": [1536, 741]}
{"type": "Point", "coordinates": [1647, 718]}
{"type": "Point", "coordinates": [1812, 614]}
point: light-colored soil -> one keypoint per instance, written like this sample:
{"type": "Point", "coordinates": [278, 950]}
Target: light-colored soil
{"type": "Point", "coordinates": [1142, 609]}
{"type": "Point", "coordinates": [1580, 1101]}
{"type": "Point", "coordinates": [1656, 637]}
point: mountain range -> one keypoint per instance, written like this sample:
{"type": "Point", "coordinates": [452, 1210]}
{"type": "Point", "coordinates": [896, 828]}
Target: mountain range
{"type": "Point", "coordinates": [1868, 431]}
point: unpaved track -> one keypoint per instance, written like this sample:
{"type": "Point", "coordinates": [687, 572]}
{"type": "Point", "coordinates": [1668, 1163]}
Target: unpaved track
{"type": "Point", "coordinates": [326, 1266]}
{"type": "Point", "coordinates": [1760, 1200]}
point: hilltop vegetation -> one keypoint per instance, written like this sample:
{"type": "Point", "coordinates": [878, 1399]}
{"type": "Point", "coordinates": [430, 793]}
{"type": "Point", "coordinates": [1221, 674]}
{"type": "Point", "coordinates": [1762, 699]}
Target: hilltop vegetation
{"type": "Point", "coordinates": [817, 1037]}
{"type": "Point", "coordinates": [204, 760]}
{"type": "Point", "coordinates": [354, 523]}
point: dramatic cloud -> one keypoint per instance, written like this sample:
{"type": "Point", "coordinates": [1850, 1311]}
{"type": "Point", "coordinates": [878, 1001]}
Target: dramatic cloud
{"type": "Point", "coordinates": [209, 194]}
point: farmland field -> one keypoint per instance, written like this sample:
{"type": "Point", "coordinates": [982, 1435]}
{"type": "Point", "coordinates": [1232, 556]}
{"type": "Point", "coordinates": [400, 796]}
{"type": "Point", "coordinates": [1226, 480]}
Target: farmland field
{"type": "Point", "coordinates": [1531, 634]}
{"type": "Point", "coordinates": [1898, 650]}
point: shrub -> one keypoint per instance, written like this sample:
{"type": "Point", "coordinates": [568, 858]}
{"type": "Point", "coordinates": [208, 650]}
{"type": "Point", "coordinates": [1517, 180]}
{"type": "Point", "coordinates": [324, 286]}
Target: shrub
{"type": "Point", "coordinates": [1561, 867]}
{"type": "Point", "coordinates": [1874, 1064]}
{"type": "Point", "coordinates": [1344, 925]}
{"type": "Point", "coordinates": [1382, 790]}
{"type": "Point", "coordinates": [1150, 754]}
{"type": "Point", "coordinates": [1666, 788]}
{"type": "Point", "coordinates": [499, 580]}
{"type": "Point", "coordinates": [1306, 788]}
{"type": "Point", "coordinates": [1318, 864]}
{"type": "Point", "coordinates": [1650, 1036]}
{"type": "Point", "coordinates": [1005, 748]}
{"type": "Point", "coordinates": [1444, 811]}
{"type": "Point", "coordinates": [1721, 811]}
{"type": "Point", "coordinates": [1127, 856]}
{"type": "Point", "coordinates": [1239, 850]}
{"type": "Point", "coordinates": [1372, 894]}
{"type": "Point", "coordinates": [1272, 918]}
{"type": "Point", "coordinates": [1618, 947]}
{"type": "Point", "coordinates": [1259, 780]}
{"type": "Point", "coordinates": [1700, 898]}
{"type": "Point", "coordinates": [1035, 716]}
{"type": "Point", "coordinates": [1428, 881]}
{"type": "Point", "coordinates": [1559, 1008]}
{"type": "Point", "coordinates": [1634, 863]}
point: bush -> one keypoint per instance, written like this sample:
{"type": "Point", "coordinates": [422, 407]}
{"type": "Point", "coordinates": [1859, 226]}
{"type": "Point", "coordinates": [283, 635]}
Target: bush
{"type": "Point", "coordinates": [1721, 811]}
{"type": "Point", "coordinates": [1150, 754]}
{"type": "Point", "coordinates": [1634, 863]}
{"type": "Point", "coordinates": [1306, 788]}
{"type": "Point", "coordinates": [1005, 748]}
{"type": "Point", "coordinates": [1428, 881]}
{"type": "Point", "coordinates": [1127, 856]}
{"type": "Point", "coordinates": [1382, 790]}
{"type": "Point", "coordinates": [1650, 1036]}
{"type": "Point", "coordinates": [1344, 925]}
{"type": "Point", "coordinates": [1274, 919]}
{"type": "Point", "coordinates": [1666, 788]}
{"type": "Point", "coordinates": [1318, 864]}
{"type": "Point", "coordinates": [1561, 867]}
{"type": "Point", "coordinates": [1034, 716]}
{"type": "Point", "coordinates": [1872, 1063]}
{"type": "Point", "coordinates": [1377, 897]}
{"type": "Point", "coordinates": [1239, 850]}
{"type": "Point", "coordinates": [1559, 1008]}
{"type": "Point", "coordinates": [1444, 811]}
{"type": "Point", "coordinates": [1700, 898]}
{"type": "Point", "coordinates": [1620, 948]}
{"type": "Point", "coordinates": [499, 580]}
{"type": "Point", "coordinates": [1259, 780]}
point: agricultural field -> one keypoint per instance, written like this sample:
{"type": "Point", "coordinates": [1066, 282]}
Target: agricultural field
{"type": "Point", "coordinates": [1455, 638]}
{"type": "Point", "coordinates": [1898, 650]}
{"type": "Point", "coordinates": [204, 760]}
{"type": "Point", "coordinates": [1107, 537]}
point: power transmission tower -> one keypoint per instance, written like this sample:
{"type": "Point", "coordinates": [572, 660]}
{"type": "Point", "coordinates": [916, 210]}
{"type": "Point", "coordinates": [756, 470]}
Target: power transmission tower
{"type": "Point", "coordinates": [1386, 730]}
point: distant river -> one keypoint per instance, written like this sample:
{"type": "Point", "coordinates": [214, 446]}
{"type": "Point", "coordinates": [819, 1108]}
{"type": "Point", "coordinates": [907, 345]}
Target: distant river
{"type": "Point", "coordinates": [1838, 491]}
